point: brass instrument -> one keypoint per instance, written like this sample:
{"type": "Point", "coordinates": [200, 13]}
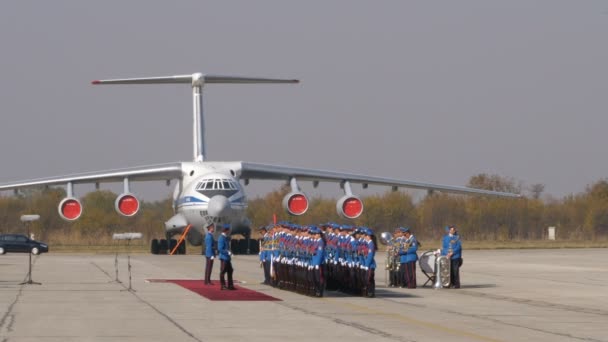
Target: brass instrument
{"type": "Point", "coordinates": [392, 253]}
{"type": "Point", "coordinates": [442, 272]}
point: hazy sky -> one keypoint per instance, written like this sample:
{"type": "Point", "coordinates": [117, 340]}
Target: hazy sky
{"type": "Point", "coordinates": [433, 91]}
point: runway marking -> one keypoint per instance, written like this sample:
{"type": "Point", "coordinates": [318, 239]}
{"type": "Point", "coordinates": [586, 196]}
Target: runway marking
{"type": "Point", "coordinates": [411, 320]}
{"type": "Point", "coordinates": [177, 325]}
{"type": "Point", "coordinates": [355, 325]}
{"type": "Point", "coordinates": [537, 303]}
{"type": "Point", "coordinates": [8, 319]}
{"type": "Point", "coordinates": [495, 320]}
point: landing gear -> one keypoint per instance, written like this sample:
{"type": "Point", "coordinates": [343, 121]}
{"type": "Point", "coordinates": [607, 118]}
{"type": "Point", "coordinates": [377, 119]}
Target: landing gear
{"type": "Point", "coordinates": [155, 247]}
{"type": "Point", "coordinates": [165, 246]}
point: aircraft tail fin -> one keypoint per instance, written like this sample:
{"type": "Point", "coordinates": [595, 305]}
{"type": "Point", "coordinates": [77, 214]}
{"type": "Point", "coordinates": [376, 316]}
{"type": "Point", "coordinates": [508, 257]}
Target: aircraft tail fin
{"type": "Point", "coordinates": [197, 81]}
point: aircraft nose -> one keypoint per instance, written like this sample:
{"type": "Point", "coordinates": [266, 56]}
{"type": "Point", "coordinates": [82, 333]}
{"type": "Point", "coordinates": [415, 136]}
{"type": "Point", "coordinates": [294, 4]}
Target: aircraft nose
{"type": "Point", "coordinates": [218, 206]}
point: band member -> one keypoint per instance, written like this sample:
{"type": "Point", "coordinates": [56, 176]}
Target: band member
{"type": "Point", "coordinates": [223, 246]}
{"type": "Point", "coordinates": [395, 276]}
{"type": "Point", "coordinates": [210, 251]}
{"type": "Point", "coordinates": [409, 251]}
{"type": "Point", "coordinates": [401, 241]}
{"type": "Point", "coordinates": [452, 248]}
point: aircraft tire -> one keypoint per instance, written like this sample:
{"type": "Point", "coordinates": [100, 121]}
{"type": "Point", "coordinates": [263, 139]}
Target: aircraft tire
{"type": "Point", "coordinates": [154, 247]}
{"type": "Point", "coordinates": [172, 244]}
{"type": "Point", "coordinates": [162, 246]}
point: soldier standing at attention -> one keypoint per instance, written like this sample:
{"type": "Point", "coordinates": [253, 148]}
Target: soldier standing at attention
{"type": "Point", "coordinates": [369, 263]}
{"type": "Point", "coordinates": [210, 249]}
{"type": "Point", "coordinates": [265, 253]}
{"type": "Point", "coordinates": [223, 246]}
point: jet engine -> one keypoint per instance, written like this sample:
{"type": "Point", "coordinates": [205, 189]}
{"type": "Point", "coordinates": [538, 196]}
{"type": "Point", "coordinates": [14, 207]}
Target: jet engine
{"type": "Point", "coordinates": [349, 205]}
{"type": "Point", "coordinates": [295, 202]}
{"type": "Point", "coordinates": [70, 209]}
{"type": "Point", "coordinates": [126, 204]}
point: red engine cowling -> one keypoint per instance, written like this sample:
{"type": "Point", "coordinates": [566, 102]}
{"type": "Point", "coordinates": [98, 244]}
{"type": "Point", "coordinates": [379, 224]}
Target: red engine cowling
{"type": "Point", "coordinates": [349, 206]}
{"type": "Point", "coordinates": [295, 203]}
{"type": "Point", "coordinates": [70, 209]}
{"type": "Point", "coordinates": [126, 204]}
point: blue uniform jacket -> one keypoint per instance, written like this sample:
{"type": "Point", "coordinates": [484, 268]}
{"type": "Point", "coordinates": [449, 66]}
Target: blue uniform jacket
{"type": "Point", "coordinates": [371, 252]}
{"type": "Point", "coordinates": [223, 247]}
{"type": "Point", "coordinates": [319, 253]}
{"type": "Point", "coordinates": [410, 253]}
{"type": "Point", "coordinates": [209, 245]}
{"type": "Point", "coordinates": [262, 251]}
{"type": "Point", "coordinates": [452, 244]}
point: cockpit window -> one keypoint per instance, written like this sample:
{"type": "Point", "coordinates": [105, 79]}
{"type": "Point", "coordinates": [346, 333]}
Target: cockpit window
{"type": "Point", "coordinates": [211, 187]}
{"type": "Point", "coordinates": [217, 184]}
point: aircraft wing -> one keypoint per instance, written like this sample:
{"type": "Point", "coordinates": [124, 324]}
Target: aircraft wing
{"type": "Point", "coordinates": [142, 173]}
{"type": "Point", "coordinates": [278, 172]}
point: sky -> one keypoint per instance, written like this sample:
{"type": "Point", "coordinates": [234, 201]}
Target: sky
{"type": "Point", "coordinates": [430, 91]}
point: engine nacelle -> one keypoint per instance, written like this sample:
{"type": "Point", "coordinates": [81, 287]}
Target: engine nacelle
{"type": "Point", "coordinates": [70, 209]}
{"type": "Point", "coordinates": [295, 203]}
{"type": "Point", "coordinates": [126, 204]}
{"type": "Point", "coordinates": [349, 206]}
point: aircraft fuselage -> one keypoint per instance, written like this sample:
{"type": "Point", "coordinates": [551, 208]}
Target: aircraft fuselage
{"type": "Point", "coordinates": [209, 192]}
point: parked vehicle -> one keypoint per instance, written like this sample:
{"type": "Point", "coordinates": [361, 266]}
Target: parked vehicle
{"type": "Point", "coordinates": [18, 243]}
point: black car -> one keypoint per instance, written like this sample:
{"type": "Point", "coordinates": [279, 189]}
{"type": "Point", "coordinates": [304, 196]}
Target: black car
{"type": "Point", "coordinates": [21, 244]}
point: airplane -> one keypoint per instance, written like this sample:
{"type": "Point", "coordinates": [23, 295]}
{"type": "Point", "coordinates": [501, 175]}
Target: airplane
{"type": "Point", "coordinates": [211, 191]}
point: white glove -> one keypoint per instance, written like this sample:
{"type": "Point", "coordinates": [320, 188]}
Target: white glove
{"type": "Point", "coordinates": [212, 257]}
{"type": "Point", "coordinates": [316, 267]}
{"type": "Point", "coordinates": [230, 253]}
{"type": "Point", "coordinates": [365, 268]}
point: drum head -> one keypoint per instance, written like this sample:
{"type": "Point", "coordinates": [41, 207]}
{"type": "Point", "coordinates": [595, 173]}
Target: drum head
{"type": "Point", "coordinates": [427, 262]}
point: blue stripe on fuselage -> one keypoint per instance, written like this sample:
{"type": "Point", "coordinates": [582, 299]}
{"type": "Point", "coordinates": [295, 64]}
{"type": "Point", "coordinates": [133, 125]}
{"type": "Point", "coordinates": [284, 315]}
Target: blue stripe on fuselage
{"type": "Point", "coordinates": [189, 199]}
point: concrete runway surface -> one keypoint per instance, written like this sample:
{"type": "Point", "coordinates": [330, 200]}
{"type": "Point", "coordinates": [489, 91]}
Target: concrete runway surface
{"type": "Point", "coordinates": [506, 295]}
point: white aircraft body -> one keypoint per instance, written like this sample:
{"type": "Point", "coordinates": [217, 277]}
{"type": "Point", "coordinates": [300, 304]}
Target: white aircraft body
{"type": "Point", "coordinates": [211, 191]}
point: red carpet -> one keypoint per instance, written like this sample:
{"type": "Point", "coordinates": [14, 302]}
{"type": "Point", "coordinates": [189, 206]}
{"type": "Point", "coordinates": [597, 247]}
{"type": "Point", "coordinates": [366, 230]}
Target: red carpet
{"type": "Point", "coordinates": [213, 292]}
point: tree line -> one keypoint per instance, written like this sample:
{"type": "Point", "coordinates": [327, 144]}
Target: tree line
{"type": "Point", "coordinates": [582, 216]}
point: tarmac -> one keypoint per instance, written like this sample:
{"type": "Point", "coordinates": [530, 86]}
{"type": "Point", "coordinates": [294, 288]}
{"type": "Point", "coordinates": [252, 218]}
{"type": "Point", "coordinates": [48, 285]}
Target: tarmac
{"type": "Point", "coordinates": [506, 295]}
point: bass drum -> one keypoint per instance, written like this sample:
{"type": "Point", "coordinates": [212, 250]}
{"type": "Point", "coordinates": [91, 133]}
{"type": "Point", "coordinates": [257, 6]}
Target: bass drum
{"type": "Point", "coordinates": [427, 263]}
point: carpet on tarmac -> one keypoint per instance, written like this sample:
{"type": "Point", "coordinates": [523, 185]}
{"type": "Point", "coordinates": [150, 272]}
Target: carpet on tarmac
{"type": "Point", "coordinates": [213, 292]}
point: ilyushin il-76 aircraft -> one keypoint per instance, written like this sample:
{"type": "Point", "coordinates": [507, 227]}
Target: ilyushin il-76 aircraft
{"type": "Point", "coordinates": [213, 191]}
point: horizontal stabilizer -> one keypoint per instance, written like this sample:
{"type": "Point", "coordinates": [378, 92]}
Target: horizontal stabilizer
{"type": "Point", "coordinates": [194, 78]}
{"type": "Point", "coordinates": [148, 80]}
{"type": "Point", "coordinates": [236, 79]}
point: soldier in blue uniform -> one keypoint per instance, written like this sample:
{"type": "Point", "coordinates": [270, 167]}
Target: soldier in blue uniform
{"type": "Point", "coordinates": [265, 253]}
{"type": "Point", "coordinates": [223, 246]}
{"type": "Point", "coordinates": [369, 263]}
{"type": "Point", "coordinates": [452, 248]}
{"type": "Point", "coordinates": [210, 251]}
{"type": "Point", "coordinates": [317, 260]}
